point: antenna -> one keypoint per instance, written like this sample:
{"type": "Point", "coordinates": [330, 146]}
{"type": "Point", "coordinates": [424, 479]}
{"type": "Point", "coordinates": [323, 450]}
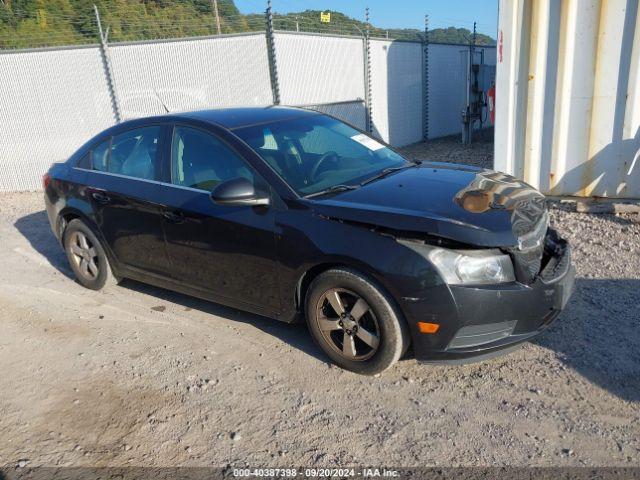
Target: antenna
{"type": "Point", "coordinates": [164, 105]}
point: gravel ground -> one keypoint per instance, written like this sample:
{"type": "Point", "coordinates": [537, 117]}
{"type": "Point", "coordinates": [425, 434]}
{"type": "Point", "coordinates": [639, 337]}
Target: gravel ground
{"type": "Point", "coordinates": [141, 376]}
{"type": "Point", "coordinates": [449, 149]}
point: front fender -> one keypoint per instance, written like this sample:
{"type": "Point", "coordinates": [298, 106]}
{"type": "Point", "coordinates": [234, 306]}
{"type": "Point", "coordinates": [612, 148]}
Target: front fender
{"type": "Point", "coordinates": [309, 244]}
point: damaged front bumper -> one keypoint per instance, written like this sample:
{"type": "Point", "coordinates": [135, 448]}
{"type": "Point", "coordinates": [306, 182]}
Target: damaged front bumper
{"type": "Point", "coordinates": [479, 322]}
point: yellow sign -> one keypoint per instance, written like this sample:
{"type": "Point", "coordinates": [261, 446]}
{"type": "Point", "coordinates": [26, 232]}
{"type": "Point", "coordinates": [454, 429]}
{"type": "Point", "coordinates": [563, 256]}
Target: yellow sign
{"type": "Point", "coordinates": [325, 17]}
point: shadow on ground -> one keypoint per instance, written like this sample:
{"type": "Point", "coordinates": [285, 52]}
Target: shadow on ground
{"type": "Point", "coordinates": [35, 228]}
{"type": "Point", "coordinates": [598, 335]}
{"type": "Point", "coordinates": [294, 334]}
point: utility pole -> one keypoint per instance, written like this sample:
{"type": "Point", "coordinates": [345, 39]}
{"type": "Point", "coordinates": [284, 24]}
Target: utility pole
{"type": "Point", "coordinates": [297, 24]}
{"type": "Point", "coordinates": [214, 4]}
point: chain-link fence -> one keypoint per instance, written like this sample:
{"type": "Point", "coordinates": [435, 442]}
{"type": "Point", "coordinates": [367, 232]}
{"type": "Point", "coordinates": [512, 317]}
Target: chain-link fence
{"type": "Point", "coordinates": [53, 99]}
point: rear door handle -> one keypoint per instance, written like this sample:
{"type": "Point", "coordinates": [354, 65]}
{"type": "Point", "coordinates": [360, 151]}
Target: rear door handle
{"type": "Point", "coordinates": [100, 198]}
{"type": "Point", "coordinates": [173, 217]}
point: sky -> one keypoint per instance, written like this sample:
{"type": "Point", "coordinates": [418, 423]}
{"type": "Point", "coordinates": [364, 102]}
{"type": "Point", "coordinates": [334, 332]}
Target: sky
{"type": "Point", "coordinates": [397, 13]}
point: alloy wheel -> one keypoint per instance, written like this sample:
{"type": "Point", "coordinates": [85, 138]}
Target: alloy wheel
{"type": "Point", "coordinates": [347, 324]}
{"type": "Point", "coordinates": [84, 255]}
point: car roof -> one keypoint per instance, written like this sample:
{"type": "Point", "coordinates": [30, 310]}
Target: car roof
{"type": "Point", "coordinates": [245, 116]}
{"type": "Point", "coordinates": [229, 118]}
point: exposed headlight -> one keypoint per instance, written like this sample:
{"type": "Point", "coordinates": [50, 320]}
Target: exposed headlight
{"type": "Point", "coordinates": [535, 237]}
{"type": "Point", "coordinates": [459, 267]}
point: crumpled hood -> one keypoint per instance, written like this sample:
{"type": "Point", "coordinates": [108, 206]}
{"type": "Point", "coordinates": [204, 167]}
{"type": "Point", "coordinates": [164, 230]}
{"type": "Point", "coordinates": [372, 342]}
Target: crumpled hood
{"type": "Point", "coordinates": [458, 202]}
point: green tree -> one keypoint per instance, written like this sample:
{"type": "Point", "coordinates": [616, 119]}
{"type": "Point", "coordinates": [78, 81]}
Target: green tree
{"type": "Point", "coordinates": [34, 23]}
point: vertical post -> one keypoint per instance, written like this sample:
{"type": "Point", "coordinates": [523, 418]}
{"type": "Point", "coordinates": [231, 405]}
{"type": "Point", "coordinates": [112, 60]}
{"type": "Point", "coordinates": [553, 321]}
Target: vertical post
{"type": "Point", "coordinates": [473, 76]}
{"type": "Point", "coordinates": [215, 11]}
{"type": "Point", "coordinates": [470, 116]}
{"type": "Point", "coordinates": [425, 81]}
{"type": "Point", "coordinates": [297, 24]}
{"type": "Point", "coordinates": [367, 73]}
{"type": "Point", "coordinates": [271, 55]}
{"type": "Point", "coordinates": [106, 62]}
{"type": "Point", "coordinates": [474, 34]}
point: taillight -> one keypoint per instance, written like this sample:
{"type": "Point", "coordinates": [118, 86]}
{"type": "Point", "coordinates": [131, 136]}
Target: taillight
{"type": "Point", "coordinates": [46, 180]}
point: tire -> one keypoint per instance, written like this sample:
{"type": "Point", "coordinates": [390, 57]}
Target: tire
{"type": "Point", "coordinates": [367, 343]}
{"type": "Point", "coordinates": [86, 256]}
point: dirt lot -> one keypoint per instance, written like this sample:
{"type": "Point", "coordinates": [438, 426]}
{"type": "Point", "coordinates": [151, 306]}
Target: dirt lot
{"type": "Point", "coordinates": [141, 376]}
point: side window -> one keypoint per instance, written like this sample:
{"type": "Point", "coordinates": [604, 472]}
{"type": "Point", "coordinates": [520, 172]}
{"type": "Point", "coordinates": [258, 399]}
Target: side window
{"type": "Point", "coordinates": [85, 161]}
{"type": "Point", "coordinates": [199, 160]}
{"type": "Point", "coordinates": [100, 156]}
{"type": "Point", "coordinates": [133, 153]}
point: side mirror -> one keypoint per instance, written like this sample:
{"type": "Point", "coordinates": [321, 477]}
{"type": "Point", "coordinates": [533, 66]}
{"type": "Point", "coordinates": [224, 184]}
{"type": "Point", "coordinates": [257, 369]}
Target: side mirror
{"type": "Point", "coordinates": [238, 191]}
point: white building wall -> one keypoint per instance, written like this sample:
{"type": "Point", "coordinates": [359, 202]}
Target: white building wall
{"type": "Point", "coordinates": [446, 89]}
{"type": "Point", "coordinates": [447, 85]}
{"type": "Point", "coordinates": [396, 86]}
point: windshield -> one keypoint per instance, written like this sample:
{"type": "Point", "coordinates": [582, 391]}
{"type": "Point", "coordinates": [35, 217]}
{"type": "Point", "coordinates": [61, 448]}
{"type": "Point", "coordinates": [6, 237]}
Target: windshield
{"type": "Point", "coordinates": [315, 153]}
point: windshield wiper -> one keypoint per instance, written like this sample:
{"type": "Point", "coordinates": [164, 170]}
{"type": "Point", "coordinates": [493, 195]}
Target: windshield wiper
{"type": "Point", "coordinates": [334, 188]}
{"type": "Point", "coordinates": [389, 170]}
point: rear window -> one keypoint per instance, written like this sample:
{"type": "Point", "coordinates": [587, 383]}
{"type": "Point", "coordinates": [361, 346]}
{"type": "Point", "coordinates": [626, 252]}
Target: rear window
{"type": "Point", "coordinates": [133, 153]}
{"type": "Point", "coordinates": [85, 162]}
{"type": "Point", "coordinates": [100, 156]}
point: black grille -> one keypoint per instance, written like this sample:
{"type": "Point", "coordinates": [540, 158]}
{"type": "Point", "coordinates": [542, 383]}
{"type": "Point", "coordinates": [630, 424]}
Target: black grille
{"type": "Point", "coordinates": [557, 257]}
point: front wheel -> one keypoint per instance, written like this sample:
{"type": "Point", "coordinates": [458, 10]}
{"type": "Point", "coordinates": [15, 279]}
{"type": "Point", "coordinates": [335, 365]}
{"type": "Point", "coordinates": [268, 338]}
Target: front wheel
{"type": "Point", "coordinates": [355, 322]}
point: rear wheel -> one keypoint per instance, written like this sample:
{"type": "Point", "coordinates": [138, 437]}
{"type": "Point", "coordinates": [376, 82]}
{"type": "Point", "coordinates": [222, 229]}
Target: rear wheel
{"type": "Point", "coordinates": [86, 256]}
{"type": "Point", "coordinates": [355, 322]}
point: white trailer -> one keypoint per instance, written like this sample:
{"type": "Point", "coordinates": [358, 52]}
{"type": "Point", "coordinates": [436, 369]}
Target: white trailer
{"type": "Point", "coordinates": [568, 96]}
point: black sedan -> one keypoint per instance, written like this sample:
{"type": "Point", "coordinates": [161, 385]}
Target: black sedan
{"type": "Point", "coordinates": [289, 213]}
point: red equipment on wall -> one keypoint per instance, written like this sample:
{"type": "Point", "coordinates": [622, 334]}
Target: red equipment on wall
{"type": "Point", "coordinates": [491, 101]}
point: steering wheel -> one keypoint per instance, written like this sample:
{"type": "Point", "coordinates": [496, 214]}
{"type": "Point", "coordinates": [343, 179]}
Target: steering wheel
{"type": "Point", "coordinates": [330, 155]}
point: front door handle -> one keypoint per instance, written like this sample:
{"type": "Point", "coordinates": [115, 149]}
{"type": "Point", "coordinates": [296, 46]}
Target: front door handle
{"type": "Point", "coordinates": [100, 198]}
{"type": "Point", "coordinates": [173, 217]}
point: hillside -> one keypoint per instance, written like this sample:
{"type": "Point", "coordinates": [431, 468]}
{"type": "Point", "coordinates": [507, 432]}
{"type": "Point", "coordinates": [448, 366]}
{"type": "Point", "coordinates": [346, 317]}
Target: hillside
{"type": "Point", "coordinates": [35, 23]}
{"type": "Point", "coordinates": [309, 20]}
